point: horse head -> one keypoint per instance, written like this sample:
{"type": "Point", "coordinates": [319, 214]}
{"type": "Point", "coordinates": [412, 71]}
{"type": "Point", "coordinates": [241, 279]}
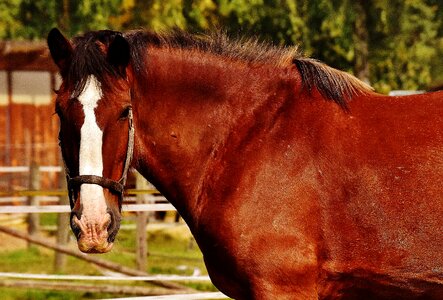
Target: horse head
{"type": "Point", "coordinates": [96, 132]}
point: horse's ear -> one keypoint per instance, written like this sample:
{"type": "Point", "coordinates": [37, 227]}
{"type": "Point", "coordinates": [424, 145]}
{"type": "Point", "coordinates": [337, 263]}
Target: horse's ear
{"type": "Point", "coordinates": [119, 52]}
{"type": "Point", "coordinates": [61, 50]}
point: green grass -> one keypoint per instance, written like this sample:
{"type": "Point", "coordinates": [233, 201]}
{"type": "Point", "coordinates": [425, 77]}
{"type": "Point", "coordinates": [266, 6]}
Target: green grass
{"type": "Point", "coordinates": [170, 252]}
{"type": "Point", "coordinates": [16, 294]}
{"type": "Point", "coordinates": [48, 219]}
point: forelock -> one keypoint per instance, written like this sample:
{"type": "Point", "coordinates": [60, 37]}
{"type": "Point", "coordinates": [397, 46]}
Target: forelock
{"type": "Point", "coordinates": [89, 58]}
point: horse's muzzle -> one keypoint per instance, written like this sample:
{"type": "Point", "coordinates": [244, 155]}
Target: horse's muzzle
{"type": "Point", "coordinates": [94, 237]}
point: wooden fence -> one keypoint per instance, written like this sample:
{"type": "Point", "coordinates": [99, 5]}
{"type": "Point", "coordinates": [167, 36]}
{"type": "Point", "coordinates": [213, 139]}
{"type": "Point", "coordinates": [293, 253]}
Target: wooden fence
{"type": "Point", "coordinates": [145, 198]}
{"type": "Point", "coordinates": [142, 200]}
{"type": "Point", "coordinates": [57, 282]}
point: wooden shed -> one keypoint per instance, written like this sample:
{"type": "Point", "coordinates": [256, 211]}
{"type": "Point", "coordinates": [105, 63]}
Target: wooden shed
{"type": "Point", "coordinates": [29, 126]}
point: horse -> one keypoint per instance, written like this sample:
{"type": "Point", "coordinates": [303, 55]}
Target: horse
{"type": "Point", "coordinates": [297, 180]}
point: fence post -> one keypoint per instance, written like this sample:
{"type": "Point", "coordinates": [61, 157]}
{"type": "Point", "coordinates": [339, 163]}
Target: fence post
{"type": "Point", "coordinates": [62, 227]}
{"type": "Point", "coordinates": [34, 185]}
{"type": "Point", "coordinates": [142, 222]}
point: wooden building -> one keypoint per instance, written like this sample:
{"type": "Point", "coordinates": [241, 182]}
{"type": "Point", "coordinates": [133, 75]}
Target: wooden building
{"type": "Point", "coordinates": [28, 125]}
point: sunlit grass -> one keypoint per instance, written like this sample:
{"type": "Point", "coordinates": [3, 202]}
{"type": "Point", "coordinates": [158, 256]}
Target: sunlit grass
{"type": "Point", "coordinates": [171, 251]}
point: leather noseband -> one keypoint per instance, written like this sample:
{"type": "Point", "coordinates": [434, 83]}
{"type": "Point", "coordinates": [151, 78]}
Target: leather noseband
{"type": "Point", "coordinates": [116, 187]}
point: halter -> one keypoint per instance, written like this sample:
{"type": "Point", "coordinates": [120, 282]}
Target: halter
{"type": "Point", "coordinates": [114, 186]}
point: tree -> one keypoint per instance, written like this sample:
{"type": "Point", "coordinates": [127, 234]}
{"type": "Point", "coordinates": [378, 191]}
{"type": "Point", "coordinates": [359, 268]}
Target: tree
{"type": "Point", "coordinates": [27, 19]}
{"type": "Point", "coordinates": [9, 24]}
{"type": "Point", "coordinates": [403, 43]}
{"type": "Point", "coordinates": [395, 44]}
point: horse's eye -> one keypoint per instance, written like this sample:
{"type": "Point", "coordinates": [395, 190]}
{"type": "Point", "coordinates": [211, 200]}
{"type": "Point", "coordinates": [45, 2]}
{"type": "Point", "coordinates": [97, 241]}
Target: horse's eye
{"type": "Point", "coordinates": [125, 113]}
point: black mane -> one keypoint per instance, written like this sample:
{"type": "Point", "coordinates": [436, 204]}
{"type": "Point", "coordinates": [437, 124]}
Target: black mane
{"type": "Point", "coordinates": [89, 59]}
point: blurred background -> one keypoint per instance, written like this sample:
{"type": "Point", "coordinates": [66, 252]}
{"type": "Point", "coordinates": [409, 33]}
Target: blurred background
{"type": "Point", "coordinates": [392, 45]}
{"type": "Point", "coordinates": [395, 44]}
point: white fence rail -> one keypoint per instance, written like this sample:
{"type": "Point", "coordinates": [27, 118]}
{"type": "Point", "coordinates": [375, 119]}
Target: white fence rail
{"type": "Point", "coordinates": [103, 278]}
{"type": "Point", "coordinates": [214, 295]}
{"type": "Point", "coordinates": [25, 169]}
{"type": "Point", "coordinates": [12, 209]}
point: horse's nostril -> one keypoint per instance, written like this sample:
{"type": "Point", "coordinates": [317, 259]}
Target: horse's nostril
{"type": "Point", "coordinates": [75, 228]}
{"type": "Point", "coordinates": [108, 223]}
{"type": "Point", "coordinates": [113, 226]}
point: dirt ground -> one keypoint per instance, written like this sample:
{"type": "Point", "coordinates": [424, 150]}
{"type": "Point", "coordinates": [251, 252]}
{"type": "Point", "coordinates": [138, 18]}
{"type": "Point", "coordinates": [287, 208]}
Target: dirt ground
{"type": "Point", "coordinates": [8, 242]}
{"type": "Point", "coordinates": [17, 222]}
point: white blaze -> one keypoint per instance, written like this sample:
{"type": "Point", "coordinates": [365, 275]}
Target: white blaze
{"type": "Point", "coordinates": [91, 159]}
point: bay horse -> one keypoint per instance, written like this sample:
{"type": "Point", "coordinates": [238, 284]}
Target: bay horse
{"type": "Point", "coordinates": [296, 179]}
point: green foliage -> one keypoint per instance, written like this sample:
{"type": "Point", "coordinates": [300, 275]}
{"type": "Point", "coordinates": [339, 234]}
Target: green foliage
{"type": "Point", "coordinates": [20, 294]}
{"type": "Point", "coordinates": [404, 44]}
{"type": "Point", "coordinates": [400, 42]}
{"type": "Point", "coordinates": [155, 14]}
{"type": "Point", "coordinates": [9, 25]}
{"type": "Point", "coordinates": [92, 14]}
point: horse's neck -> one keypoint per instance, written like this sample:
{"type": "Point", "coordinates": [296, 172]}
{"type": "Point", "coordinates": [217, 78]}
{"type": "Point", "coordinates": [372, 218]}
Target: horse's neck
{"type": "Point", "coordinates": [194, 109]}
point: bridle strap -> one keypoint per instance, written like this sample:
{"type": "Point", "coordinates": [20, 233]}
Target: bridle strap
{"type": "Point", "coordinates": [110, 184]}
{"type": "Point", "coordinates": [130, 149]}
{"type": "Point", "coordinates": [114, 186]}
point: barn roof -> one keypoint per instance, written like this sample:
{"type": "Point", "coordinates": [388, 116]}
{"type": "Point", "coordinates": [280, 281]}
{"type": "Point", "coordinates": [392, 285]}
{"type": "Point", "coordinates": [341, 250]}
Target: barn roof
{"type": "Point", "coordinates": [25, 56]}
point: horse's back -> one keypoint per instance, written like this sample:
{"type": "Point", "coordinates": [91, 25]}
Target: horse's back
{"type": "Point", "coordinates": [386, 223]}
{"type": "Point", "coordinates": [363, 194]}
{"type": "Point", "coordinates": [355, 196]}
